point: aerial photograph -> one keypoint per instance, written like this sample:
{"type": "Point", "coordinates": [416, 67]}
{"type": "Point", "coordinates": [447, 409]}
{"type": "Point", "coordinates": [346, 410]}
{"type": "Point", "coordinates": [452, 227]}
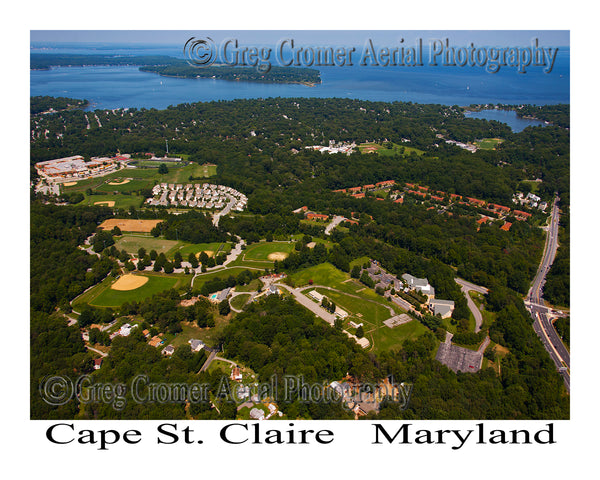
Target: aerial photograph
{"type": "Point", "coordinates": [299, 225]}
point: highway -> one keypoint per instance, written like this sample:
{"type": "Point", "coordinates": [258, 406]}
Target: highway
{"type": "Point", "coordinates": [535, 303]}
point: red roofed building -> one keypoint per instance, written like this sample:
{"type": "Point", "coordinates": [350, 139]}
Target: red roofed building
{"type": "Point", "coordinates": [411, 185]}
{"type": "Point", "coordinates": [423, 189]}
{"type": "Point", "coordinates": [481, 221]}
{"type": "Point", "coordinates": [342, 190]}
{"type": "Point", "coordinates": [498, 208]}
{"type": "Point", "coordinates": [521, 215]}
{"type": "Point", "coordinates": [506, 226]}
{"type": "Point", "coordinates": [386, 183]}
{"type": "Point", "coordinates": [439, 199]}
{"type": "Point", "coordinates": [368, 187]}
{"type": "Point", "coordinates": [355, 189]}
{"type": "Point", "coordinates": [475, 201]}
{"type": "Point", "coordinates": [316, 216]}
{"type": "Point", "coordinates": [454, 196]}
{"type": "Point", "coordinates": [399, 200]}
{"type": "Point", "coordinates": [358, 195]}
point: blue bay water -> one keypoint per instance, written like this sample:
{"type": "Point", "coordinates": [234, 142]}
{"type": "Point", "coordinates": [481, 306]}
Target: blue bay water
{"type": "Point", "coordinates": [120, 87]}
{"type": "Point", "coordinates": [517, 124]}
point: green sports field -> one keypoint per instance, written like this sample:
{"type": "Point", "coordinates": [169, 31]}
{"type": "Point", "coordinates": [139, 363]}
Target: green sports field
{"type": "Point", "coordinates": [262, 250]}
{"type": "Point", "coordinates": [488, 143]}
{"type": "Point", "coordinates": [104, 296]}
{"type": "Point", "coordinates": [121, 201]}
{"type": "Point", "coordinates": [383, 150]}
{"type": "Point", "coordinates": [185, 248]}
{"type": "Point", "coordinates": [132, 243]}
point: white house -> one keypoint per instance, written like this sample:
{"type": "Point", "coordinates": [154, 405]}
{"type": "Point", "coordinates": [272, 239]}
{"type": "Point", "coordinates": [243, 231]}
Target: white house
{"type": "Point", "coordinates": [196, 345]}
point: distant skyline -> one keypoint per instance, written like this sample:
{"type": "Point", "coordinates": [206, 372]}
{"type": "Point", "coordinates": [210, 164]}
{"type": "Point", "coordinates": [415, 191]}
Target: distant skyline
{"type": "Point", "coordinates": [332, 37]}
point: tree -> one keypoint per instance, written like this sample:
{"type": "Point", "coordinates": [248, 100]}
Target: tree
{"type": "Point", "coordinates": [101, 241]}
{"type": "Point", "coordinates": [224, 307]}
{"type": "Point", "coordinates": [116, 230]}
{"type": "Point", "coordinates": [168, 267]}
{"type": "Point", "coordinates": [193, 260]}
{"type": "Point", "coordinates": [86, 318]}
{"type": "Point", "coordinates": [360, 332]}
{"type": "Point", "coordinates": [177, 259]}
{"type": "Point", "coordinates": [163, 169]}
{"type": "Point", "coordinates": [203, 258]}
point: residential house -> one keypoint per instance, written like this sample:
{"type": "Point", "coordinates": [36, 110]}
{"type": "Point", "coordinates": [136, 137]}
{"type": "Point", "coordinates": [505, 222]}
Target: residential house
{"type": "Point", "coordinates": [196, 345]}
{"type": "Point", "coordinates": [168, 350]}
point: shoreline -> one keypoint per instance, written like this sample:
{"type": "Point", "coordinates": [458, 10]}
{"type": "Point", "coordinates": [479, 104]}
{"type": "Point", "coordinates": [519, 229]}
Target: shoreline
{"type": "Point", "coordinates": [506, 108]}
{"type": "Point", "coordinates": [200, 77]}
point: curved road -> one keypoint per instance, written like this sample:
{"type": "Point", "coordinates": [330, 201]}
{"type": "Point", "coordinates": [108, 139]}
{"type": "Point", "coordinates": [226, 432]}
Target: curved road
{"type": "Point", "coordinates": [466, 287]}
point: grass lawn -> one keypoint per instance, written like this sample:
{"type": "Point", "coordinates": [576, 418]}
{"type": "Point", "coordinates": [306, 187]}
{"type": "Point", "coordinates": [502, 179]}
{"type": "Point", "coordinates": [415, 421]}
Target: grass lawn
{"type": "Point", "coordinates": [131, 186]}
{"type": "Point", "coordinates": [298, 236]}
{"type": "Point", "coordinates": [239, 301]}
{"type": "Point", "coordinates": [252, 264]}
{"type": "Point", "coordinates": [132, 243]}
{"type": "Point", "coordinates": [104, 296]}
{"type": "Point", "coordinates": [370, 309]}
{"type": "Point", "coordinates": [146, 176]}
{"type": "Point", "coordinates": [189, 331]}
{"type": "Point", "coordinates": [372, 316]}
{"type": "Point", "coordinates": [322, 274]}
{"type": "Point", "coordinates": [488, 143]}
{"type": "Point", "coordinates": [222, 273]}
{"type": "Point", "coordinates": [183, 174]}
{"type": "Point", "coordinates": [220, 365]}
{"type": "Point", "coordinates": [360, 309]}
{"type": "Point", "coordinates": [533, 184]}
{"type": "Point", "coordinates": [383, 150]}
{"type": "Point", "coordinates": [120, 201]}
{"type": "Point", "coordinates": [384, 338]}
{"type": "Point", "coordinates": [262, 250]}
{"type": "Point", "coordinates": [253, 286]}
{"type": "Point", "coordinates": [210, 336]}
{"type": "Point", "coordinates": [185, 248]}
{"type": "Point", "coordinates": [359, 261]}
